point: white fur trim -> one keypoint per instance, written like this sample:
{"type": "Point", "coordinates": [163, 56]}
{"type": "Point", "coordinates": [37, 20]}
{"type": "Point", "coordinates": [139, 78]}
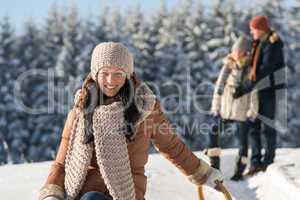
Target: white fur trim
{"type": "Point", "coordinates": [214, 152]}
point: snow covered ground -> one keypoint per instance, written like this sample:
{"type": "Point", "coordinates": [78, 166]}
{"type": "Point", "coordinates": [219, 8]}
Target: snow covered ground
{"type": "Point", "coordinates": [280, 182]}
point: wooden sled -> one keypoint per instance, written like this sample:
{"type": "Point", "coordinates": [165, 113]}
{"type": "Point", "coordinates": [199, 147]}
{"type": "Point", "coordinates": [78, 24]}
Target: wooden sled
{"type": "Point", "coordinates": [220, 187]}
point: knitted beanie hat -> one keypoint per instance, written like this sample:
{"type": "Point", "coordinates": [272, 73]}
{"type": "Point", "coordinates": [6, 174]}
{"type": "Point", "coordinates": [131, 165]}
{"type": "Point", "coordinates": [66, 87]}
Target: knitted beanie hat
{"type": "Point", "coordinates": [242, 43]}
{"type": "Point", "coordinates": [260, 23]}
{"type": "Point", "coordinates": [111, 54]}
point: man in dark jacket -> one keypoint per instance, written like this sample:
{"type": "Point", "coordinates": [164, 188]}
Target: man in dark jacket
{"type": "Point", "coordinates": [267, 61]}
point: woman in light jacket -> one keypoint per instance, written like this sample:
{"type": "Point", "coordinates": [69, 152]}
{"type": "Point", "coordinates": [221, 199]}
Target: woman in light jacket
{"type": "Point", "coordinates": [106, 137]}
{"type": "Point", "coordinates": [243, 110]}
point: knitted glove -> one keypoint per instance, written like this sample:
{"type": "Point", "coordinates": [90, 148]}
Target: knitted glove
{"type": "Point", "coordinates": [51, 190]}
{"type": "Point", "coordinates": [215, 175]}
{"type": "Point", "coordinates": [200, 176]}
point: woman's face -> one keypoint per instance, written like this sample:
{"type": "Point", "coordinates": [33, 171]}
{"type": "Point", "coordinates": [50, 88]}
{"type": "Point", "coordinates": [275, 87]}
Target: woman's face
{"type": "Point", "coordinates": [110, 80]}
{"type": "Point", "coordinates": [238, 54]}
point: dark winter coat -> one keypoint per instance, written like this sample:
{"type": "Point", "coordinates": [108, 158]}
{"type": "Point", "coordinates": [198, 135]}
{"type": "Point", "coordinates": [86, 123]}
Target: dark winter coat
{"type": "Point", "coordinates": [270, 74]}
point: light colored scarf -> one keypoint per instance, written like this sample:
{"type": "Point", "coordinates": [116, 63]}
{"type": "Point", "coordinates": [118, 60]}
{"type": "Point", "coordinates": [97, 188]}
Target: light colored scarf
{"type": "Point", "coordinates": [110, 147]}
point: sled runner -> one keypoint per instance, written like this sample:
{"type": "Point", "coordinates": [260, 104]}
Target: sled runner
{"type": "Point", "coordinates": [220, 186]}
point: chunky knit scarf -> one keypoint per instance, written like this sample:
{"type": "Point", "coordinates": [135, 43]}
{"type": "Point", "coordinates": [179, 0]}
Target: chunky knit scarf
{"type": "Point", "coordinates": [110, 147]}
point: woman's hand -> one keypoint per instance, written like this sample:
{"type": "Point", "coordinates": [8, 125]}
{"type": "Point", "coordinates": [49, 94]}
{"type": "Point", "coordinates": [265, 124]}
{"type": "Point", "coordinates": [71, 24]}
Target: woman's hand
{"type": "Point", "coordinates": [214, 177]}
{"type": "Point", "coordinates": [251, 119]}
{"type": "Point", "coordinates": [238, 92]}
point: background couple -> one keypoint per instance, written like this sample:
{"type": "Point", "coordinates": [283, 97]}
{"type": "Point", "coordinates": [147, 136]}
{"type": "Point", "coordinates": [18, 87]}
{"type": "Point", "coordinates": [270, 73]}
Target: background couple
{"type": "Point", "coordinates": [237, 97]}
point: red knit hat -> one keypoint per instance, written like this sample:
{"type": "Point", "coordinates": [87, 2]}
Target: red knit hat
{"type": "Point", "coordinates": [260, 23]}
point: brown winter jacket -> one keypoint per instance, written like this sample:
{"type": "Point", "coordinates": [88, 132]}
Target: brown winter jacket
{"type": "Point", "coordinates": [155, 127]}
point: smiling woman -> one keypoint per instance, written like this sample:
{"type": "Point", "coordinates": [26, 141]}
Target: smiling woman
{"type": "Point", "coordinates": [104, 148]}
{"type": "Point", "coordinates": [111, 65]}
{"type": "Point", "coordinates": [110, 80]}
